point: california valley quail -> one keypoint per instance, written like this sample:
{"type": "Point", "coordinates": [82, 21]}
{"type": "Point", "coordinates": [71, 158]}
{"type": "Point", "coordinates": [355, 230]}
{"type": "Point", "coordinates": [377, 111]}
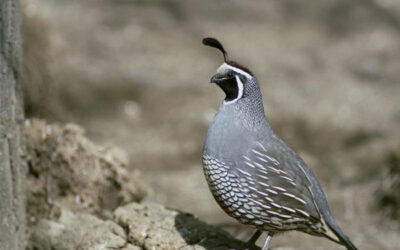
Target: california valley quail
{"type": "Point", "coordinates": [253, 175]}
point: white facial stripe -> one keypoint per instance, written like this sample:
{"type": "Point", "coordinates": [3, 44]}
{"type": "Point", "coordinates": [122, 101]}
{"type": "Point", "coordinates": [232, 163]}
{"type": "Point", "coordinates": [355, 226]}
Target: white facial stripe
{"type": "Point", "coordinates": [237, 70]}
{"type": "Point", "coordinates": [240, 91]}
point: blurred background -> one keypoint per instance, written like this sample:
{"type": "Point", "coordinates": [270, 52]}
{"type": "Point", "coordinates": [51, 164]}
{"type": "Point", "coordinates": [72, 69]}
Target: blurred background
{"type": "Point", "coordinates": [135, 74]}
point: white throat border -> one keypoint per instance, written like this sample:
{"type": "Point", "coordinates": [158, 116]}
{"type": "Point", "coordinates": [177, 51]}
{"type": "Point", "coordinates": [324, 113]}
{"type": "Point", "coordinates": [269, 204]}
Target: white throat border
{"type": "Point", "coordinates": [240, 71]}
{"type": "Point", "coordinates": [240, 86]}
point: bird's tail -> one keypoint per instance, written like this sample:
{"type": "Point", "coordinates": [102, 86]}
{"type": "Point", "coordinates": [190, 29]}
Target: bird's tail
{"type": "Point", "coordinates": [335, 234]}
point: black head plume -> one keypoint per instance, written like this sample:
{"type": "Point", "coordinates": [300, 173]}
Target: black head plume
{"type": "Point", "coordinates": [212, 42]}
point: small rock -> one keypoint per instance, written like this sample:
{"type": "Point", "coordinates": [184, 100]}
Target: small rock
{"type": "Point", "coordinates": [81, 231]}
{"type": "Point", "coordinates": [153, 226]}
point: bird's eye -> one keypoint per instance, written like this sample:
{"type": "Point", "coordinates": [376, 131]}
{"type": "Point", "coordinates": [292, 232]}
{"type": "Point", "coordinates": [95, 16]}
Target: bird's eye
{"type": "Point", "coordinates": [230, 75]}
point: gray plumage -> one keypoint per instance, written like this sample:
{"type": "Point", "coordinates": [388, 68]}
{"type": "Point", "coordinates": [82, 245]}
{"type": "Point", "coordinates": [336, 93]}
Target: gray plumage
{"type": "Point", "coordinates": [254, 176]}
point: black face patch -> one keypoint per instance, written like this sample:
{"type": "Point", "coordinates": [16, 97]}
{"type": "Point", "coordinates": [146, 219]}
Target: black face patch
{"type": "Point", "coordinates": [230, 87]}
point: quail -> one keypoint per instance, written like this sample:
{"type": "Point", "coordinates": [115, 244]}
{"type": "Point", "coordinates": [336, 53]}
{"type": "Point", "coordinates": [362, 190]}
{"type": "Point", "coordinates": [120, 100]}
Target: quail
{"type": "Point", "coordinates": [253, 175]}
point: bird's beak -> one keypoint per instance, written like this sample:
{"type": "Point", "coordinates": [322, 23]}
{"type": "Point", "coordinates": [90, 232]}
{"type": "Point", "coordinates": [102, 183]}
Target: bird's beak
{"type": "Point", "coordinates": [215, 79]}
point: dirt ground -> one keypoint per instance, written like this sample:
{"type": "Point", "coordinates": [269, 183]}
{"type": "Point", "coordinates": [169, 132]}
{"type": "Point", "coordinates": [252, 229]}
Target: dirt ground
{"type": "Point", "coordinates": [135, 74]}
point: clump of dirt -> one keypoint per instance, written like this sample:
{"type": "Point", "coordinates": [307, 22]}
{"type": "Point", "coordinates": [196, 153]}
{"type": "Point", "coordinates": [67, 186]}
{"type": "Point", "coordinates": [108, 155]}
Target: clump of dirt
{"type": "Point", "coordinates": [135, 226]}
{"type": "Point", "coordinates": [78, 199]}
{"type": "Point", "coordinates": [78, 231]}
{"type": "Point", "coordinates": [65, 169]}
{"type": "Point", "coordinates": [389, 192]}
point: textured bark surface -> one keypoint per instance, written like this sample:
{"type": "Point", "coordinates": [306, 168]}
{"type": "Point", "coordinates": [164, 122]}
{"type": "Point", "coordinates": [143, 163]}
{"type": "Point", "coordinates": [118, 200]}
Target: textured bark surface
{"type": "Point", "coordinates": [12, 171]}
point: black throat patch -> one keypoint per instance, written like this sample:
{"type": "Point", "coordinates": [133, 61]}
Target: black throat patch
{"type": "Point", "coordinates": [230, 87]}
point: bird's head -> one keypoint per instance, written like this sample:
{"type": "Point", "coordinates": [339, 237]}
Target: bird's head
{"type": "Point", "coordinates": [235, 80]}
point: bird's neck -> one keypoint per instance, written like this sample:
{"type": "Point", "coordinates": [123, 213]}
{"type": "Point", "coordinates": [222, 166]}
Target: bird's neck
{"type": "Point", "coordinates": [235, 127]}
{"type": "Point", "coordinates": [248, 111]}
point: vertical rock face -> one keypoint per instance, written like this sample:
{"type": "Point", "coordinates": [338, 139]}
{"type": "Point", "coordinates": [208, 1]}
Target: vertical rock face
{"type": "Point", "coordinates": [12, 171]}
